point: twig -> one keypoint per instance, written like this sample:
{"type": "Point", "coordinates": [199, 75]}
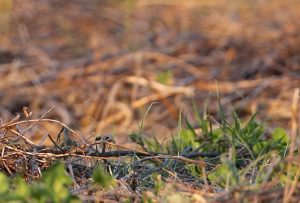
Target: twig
{"type": "Point", "coordinates": [45, 120]}
{"type": "Point", "coordinates": [34, 123]}
{"type": "Point", "coordinates": [27, 141]}
{"type": "Point", "coordinates": [55, 143]}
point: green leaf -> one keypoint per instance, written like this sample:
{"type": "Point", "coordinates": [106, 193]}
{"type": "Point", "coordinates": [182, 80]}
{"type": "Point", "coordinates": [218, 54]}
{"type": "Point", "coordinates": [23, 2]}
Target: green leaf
{"type": "Point", "coordinates": [187, 137]}
{"type": "Point", "coordinates": [136, 138]}
{"type": "Point", "coordinates": [280, 135]}
{"type": "Point", "coordinates": [4, 183]}
{"type": "Point", "coordinates": [260, 147]}
{"type": "Point", "coordinates": [165, 77]}
{"type": "Point", "coordinates": [223, 171]}
{"type": "Point", "coordinates": [158, 183]}
{"type": "Point", "coordinates": [22, 189]}
{"type": "Point", "coordinates": [194, 170]}
{"type": "Point", "coordinates": [103, 178]}
{"type": "Point", "coordinates": [56, 182]}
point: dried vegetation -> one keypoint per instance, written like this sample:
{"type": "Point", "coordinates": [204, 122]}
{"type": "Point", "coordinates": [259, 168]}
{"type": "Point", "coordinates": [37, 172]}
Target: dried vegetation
{"type": "Point", "coordinates": [89, 69]}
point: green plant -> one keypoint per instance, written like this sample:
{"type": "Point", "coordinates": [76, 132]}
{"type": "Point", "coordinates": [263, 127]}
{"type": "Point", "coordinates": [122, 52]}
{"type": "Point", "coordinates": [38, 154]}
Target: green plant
{"type": "Point", "coordinates": [104, 179]}
{"type": "Point", "coordinates": [53, 187]}
{"type": "Point", "coordinates": [244, 150]}
{"type": "Point", "coordinates": [165, 77]}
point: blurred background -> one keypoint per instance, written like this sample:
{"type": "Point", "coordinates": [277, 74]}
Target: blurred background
{"type": "Point", "coordinates": [102, 63]}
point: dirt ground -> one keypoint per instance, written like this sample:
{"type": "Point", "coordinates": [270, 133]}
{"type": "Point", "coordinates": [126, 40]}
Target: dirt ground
{"type": "Point", "coordinates": [102, 63]}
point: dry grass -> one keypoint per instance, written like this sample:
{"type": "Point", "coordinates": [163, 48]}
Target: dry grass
{"type": "Point", "coordinates": [96, 66]}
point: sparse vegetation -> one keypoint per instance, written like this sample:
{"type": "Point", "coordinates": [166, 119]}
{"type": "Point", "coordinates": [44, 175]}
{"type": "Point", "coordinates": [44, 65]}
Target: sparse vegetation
{"type": "Point", "coordinates": [239, 160]}
{"type": "Point", "coordinates": [149, 101]}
